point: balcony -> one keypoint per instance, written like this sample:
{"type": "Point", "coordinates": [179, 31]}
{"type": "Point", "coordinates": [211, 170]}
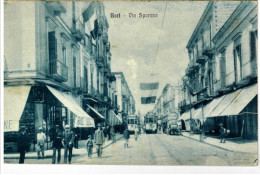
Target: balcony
{"type": "Point", "coordinates": [58, 70]}
{"type": "Point", "coordinates": [200, 58]}
{"type": "Point", "coordinates": [202, 94]}
{"type": "Point", "coordinates": [56, 7]}
{"type": "Point", "coordinates": [105, 37]}
{"type": "Point", "coordinates": [182, 104]}
{"type": "Point", "coordinates": [79, 31]}
{"type": "Point", "coordinates": [207, 49]}
{"type": "Point", "coordinates": [100, 61]}
{"type": "Point", "coordinates": [108, 47]}
{"type": "Point", "coordinates": [107, 70]}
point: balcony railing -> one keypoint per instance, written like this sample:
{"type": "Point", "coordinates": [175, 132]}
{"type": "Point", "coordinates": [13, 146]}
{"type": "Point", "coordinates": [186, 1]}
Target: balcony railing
{"type": "Point", "coordinates": [207, 48]}
{"type": "Point", "coordinates": [79, 32]}
{"type": "Point", "coordinates": [58, 70]}
{"type": "Point", "coordinates": [108, 46]}
{"type": "Point", "coordinates": [100, 61]}
{"type": "Point", "coordinates": [105, 37]}
{"type": "Point", "coordinates": [200, 57]}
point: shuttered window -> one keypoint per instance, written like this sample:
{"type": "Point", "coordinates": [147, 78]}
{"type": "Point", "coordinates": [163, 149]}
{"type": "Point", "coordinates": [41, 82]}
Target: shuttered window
{"type": "Point", "coordinates": [74, 72]}
{"type": "Point", "coordinates": [253, 54]}
{"type": "Point", "coordinates": [52, 42]}
{"type": "Point", "coordinates": [222, 68]}
{"type": "Point", "coordinates": [238, 62]}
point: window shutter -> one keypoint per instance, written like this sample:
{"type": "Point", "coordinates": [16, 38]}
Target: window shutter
{"type": "Point", "coordinates": [252, 46]}
{"type": "Point", "coordinates": [52, 46]}
{"type": "Point", "coordinates": [52, 52]}
{"type": "Point", "coordinates": [223, 71]}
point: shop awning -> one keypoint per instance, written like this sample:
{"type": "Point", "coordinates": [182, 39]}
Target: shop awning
{"type": "Point", "coordinates": [119, 118]}
{"type": "Point", "coordinates": [83, 119]}
{"type": "Point", "coordinates": [14, 102]}
{"type": "Point", "coordinates": [241, 101]}
{"type": "Point", "coordinates": [227, 100]}
{"type": "Point", "coordinates": [101, 116]}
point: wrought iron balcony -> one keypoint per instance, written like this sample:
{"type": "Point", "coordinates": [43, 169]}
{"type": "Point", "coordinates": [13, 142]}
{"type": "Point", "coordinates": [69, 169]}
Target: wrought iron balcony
{"type": "Point", "coordinates": [108, 46]}
{"type": "Point", "coordinates": [79, 31]}
{"type": "Point", "coordinates": [58, 70]}
{"type": "Point", "coordinates": [100, 61]}
{"type": "Point", "coordinates": [105, 37]}
{"type": "Point", "coordinates": [200, 57]}
{"type": "Point", "coordinates": [207, 49]}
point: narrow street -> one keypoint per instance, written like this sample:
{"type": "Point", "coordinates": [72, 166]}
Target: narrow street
{"type": "Point", "coordinates": [158, 149]}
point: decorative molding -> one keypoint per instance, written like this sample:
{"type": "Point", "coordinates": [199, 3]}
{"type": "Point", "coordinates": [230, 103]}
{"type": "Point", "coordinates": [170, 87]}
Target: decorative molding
{"type": "Point", "coordinates": [51, 24]}
{"type": "Point", "coordinates": [64, 37]}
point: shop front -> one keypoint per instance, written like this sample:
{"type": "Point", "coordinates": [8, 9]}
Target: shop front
{"type": "Point", "coordinates": [34, 107]}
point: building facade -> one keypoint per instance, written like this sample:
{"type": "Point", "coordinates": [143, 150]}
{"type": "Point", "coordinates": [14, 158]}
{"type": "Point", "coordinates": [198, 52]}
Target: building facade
{"type": "Point", "coordinates": [166, 106]}
{"type": "Point", "coordinates": [57, 68]}
{"type": "Point", "coordinates": [220, 85]}
{"type": "Point", "coordinates": [124, 98]}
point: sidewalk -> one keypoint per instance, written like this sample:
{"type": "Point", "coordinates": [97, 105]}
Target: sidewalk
{"type": "Point", "coordinates": [48, 153]}
{"type": "Point", "coordinates": [236, 145]}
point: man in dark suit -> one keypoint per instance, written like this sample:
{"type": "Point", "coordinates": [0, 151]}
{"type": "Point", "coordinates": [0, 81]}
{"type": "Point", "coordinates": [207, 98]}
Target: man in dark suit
{"type": "Point", "coordinates": [23, 144]}
{"type": "Point", "coordinates": [68, 143]}
{"type": "Point", "coordinates": [56, 138]}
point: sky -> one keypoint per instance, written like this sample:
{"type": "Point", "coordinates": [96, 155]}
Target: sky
{"type": "Point", "coordinates": [134, 42]}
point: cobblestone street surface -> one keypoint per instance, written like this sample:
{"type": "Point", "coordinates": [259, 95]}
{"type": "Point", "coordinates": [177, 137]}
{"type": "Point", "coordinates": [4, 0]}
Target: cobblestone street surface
{"type": "Point", "coordinates": [155, 149]}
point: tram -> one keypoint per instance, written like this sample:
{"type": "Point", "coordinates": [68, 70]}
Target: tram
{"type": "Point", "coordinates": [132, 123]}
{"type": "Point", "coordinates": [150, 123]}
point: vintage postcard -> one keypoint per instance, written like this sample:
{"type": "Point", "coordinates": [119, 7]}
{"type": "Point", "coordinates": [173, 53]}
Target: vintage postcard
{"type": "Point", "coordinates": [130, 83]}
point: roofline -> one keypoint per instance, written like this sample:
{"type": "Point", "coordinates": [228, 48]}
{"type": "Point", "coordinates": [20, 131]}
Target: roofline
{"type": "Point", "coordinates": [206, 11]}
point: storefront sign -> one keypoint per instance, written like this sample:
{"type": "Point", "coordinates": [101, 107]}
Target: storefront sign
{"type": "Point", "coordinates": [84, 122]}
{"type": "Point", "coordinates": [11, 125]}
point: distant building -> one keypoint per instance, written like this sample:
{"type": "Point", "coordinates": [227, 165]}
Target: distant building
{"type": "Point", "coordinates": [124, 98]}
{"type": "Point", "coordinates": [166, 107]}
{"type": "Point", "coordinates": [220, 85]}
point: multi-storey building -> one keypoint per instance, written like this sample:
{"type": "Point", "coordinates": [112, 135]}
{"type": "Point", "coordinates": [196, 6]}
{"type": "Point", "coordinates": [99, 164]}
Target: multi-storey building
{"type": "Point", "coordinates": [166, 106]}
{"type": "Point", "coordinates": [220, 83]}
{"type": "Point", "coordinates": [57, 67]}
{"type": "Point", "coordinates": [124, 98]}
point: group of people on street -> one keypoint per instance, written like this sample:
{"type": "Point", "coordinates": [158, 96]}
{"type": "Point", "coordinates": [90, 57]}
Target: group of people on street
{"type": "Point", "coordinates": [66, 140]}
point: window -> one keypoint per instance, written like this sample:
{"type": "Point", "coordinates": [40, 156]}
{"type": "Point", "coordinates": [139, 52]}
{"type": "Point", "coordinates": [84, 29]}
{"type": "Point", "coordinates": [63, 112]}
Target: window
{"type": "Point", "coordinates": [253, 54]}
{"type": "Point", "coordinates": [64, 54]}
{"type": "Point", "coordinates": [238, 63]}
{"type": "Point", "coordinates": [52, 42]}
{"type": "Point", "coordinates": [86, 78]}
{"type": "Point", "coordinates": [202, 82]}
{"type": "Point", "coordinates": [222, 68]}
{"type": "Point", "coordinates": [74, 71]}
{"type": "Point", "coordinates": [97, 80]}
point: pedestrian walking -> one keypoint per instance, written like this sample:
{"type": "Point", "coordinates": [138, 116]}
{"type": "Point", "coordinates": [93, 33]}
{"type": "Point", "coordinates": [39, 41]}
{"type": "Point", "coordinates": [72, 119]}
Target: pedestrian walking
{"type": "Point", "coordinates": [76, 138]}
{"type": "Point", "coordinates": [23, 144]}
{"type": "Point", "coordinates": [108, 133]}
{"type": "Point", "coordinates": [223, 132]}
{"type": "Point", "coordinates": [68, 144]}
{"type": "Point", "coordinates": [136, 133]}
{"type": "Point", "coordinates": [89, 146]}
{"type": "Point", "coordinates": [56, 138]}
{"type": "Point", "coordinates": [202, 135]}
{"type": "Point", "coordinates": [113, 134]}
{"type": "Point", "coordinates": [99, 139]}
{"type": "Point", "coordinates": [126, 136]}
{"type": "Point", "coordinates": [41, 138]}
